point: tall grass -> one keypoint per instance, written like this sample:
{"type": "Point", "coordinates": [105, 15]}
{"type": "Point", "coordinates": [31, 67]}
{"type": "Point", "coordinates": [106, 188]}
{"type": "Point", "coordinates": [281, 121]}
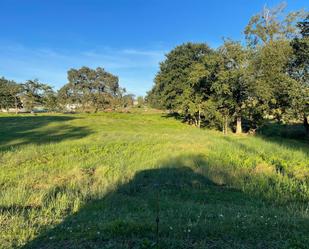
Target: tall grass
{"type": "Point", "coordinates": [106, 166]}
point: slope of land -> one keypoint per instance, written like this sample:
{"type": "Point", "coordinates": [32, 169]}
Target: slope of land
{"type": "Point", "coordinates": [101, 180]}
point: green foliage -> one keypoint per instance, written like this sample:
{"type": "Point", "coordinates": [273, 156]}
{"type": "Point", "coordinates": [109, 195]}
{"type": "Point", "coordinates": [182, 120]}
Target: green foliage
{"type": "Point", "coordinates": [50, 100]}
{"type": "Point", "coordinates": [90, 89]}
{"type": "Point", "coordinates": [240, 85]}
{"type": "Point", "coordinates": [127, 100]}
{"type": "Point", "coordinates": [173, 78]}
{"type": "Point", "coordinates": [276, 86]}
{"type": "Point", "coordinates": [35, 94]}
{"type": "Point", "coordinates": [299, 70]}
{"type": "Point", "coordinates": [212, 117]}
{"type": "Point", "coordinates": [9, 94]}
{"type": "Point", "coordinates": [140, 101]}
{"type": "Point", "coordinates": [271, 25]}
{"type": "Point", "coordinates": [231, 89]}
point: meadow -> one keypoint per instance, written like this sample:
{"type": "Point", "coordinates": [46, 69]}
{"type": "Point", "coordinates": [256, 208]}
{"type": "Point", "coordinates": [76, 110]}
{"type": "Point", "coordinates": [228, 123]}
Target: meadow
{"type": "Point", "coordinates": [102, 180]}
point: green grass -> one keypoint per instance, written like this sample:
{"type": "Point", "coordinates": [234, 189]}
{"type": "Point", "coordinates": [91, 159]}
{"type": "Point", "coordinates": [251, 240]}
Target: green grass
{"type": "Point", "coordinates": [95, 181]}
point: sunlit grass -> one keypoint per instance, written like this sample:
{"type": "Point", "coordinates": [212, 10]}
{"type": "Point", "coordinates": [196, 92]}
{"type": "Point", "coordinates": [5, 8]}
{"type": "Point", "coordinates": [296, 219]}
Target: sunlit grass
{"type": "Point", "coordinates": [91, 181]}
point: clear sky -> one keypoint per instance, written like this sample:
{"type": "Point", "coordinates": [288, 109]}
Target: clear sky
{"type": "Point", "coordinates": [44, 38]}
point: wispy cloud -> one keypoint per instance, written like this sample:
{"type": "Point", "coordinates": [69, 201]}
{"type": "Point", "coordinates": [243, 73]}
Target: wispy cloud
{"type": "Point", "coordinates": [135, 67]}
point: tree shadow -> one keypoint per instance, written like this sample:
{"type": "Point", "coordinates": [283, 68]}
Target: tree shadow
{"type": "Point", "coordinates": [275, 163]}
{"type": "Point", "coordinates": [194, 212]}
{"type": "Point", "coordinates": [22, 130]}
{"type": "Point", "coordinates": [174, 115]}
{"type": "Point", "coordinates": [292, 136]}
{"type": "Point", "coordinates": [290, 131]}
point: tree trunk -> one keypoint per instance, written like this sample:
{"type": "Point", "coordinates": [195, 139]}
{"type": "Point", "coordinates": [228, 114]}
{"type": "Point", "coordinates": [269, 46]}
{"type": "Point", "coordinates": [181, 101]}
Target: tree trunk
{"type": "Point", "coordinates": [238, 125]}
{"type": "Point", "coordinates": [199, 119]}
{"type": "Point", "coordinates": [224, 125]}
{"type": "Point", "coordinates": [16, 106]}
{"type": "Point", "coordinates": [306, 125]}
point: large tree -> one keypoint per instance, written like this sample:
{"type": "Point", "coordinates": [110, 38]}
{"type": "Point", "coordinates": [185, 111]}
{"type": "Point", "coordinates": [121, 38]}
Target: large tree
{"type": "Point", "coordinates": [269, 34]}
{"type": "Point", "coordinates": [276, 87]}
{"type": "Point", "coordinates": [172, 81]}
{"type": "Point", "coordinates": [236, 83]}
{"type": "Point", "coordinates": [90, 88]}
{"type": "Point", "coordinates": [231, 88]}
{"type": "Point", "coordinates": [10, 94]}
{"type": "Point", "coordinates": [50, 100]}
{"type": "Point", "coordinates": [300, 70]}
{"type": "Point", "coordinates": [220, 85]}
{"type": "Point", "coordinates": [272, 24]}
{"type": "Point", "coordinates": [34, 93]}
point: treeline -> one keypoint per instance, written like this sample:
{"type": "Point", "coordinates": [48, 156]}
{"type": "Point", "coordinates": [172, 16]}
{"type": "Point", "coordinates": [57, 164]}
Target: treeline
{"type": "Point", "coordinates": [238, 86]}
{"type": "Point", "coordinates": [87, 90]}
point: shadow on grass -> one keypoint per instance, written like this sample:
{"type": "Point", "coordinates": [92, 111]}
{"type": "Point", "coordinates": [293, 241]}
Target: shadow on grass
{"type": "Point", "coordinates": [292, 136]}
{"type": "Point", "coordinates": [194, 212]}
{"type": "Point", "coordinates": [16, 131]}
{"type": "Point", "coordinates": [174, 115]}
{"type": "Point", "coordinates": [290, 131]}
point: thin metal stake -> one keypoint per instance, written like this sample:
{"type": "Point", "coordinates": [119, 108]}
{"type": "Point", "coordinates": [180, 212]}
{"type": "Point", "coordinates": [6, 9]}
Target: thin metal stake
{"type": "Point", "coordinates": [158, 215]}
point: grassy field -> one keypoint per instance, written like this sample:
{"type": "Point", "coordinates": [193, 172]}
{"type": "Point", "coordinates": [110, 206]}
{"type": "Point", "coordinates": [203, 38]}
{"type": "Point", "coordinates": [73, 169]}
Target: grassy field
{"type": "Point", "coordinates": [101, 180]}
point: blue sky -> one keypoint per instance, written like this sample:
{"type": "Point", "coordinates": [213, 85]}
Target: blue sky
{"type": "Point", "coordinates": [44, 38]}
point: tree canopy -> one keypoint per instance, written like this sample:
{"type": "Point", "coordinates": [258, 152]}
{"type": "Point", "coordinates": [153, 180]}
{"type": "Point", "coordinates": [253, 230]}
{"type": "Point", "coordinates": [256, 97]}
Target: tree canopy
{"type": "Point", "coordinates": [87, 90]}
{"type": "Point", "coordinates": [238, 86]}
{"type": "Point", "coordinates": [90, 88]}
